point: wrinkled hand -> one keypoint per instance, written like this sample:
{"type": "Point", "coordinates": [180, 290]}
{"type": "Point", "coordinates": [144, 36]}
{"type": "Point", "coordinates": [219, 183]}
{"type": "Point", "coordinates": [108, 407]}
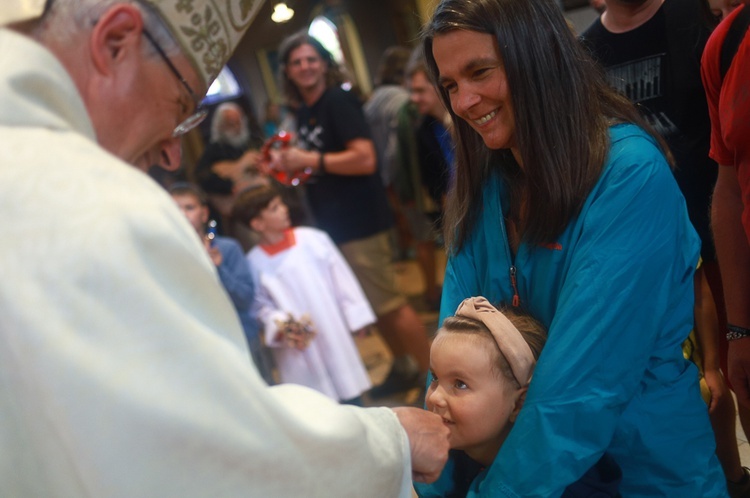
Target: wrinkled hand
{"type": "Point", "coordinates": [739, 369]}
{"type": "Point", "coordinates": [428, 441]}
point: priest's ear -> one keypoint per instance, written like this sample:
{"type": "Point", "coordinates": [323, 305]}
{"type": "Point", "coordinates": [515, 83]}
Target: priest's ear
{"type": "Point", "coordinates": [116, 37]}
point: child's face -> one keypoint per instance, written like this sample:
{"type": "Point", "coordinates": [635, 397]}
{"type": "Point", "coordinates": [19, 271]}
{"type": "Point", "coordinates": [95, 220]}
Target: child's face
{"type": "Point", "coordinates": [273, 219]}
{"type": "Point", "coordinates": [194, 211]}
{"type": "Point", "coordinates": [477, 404]}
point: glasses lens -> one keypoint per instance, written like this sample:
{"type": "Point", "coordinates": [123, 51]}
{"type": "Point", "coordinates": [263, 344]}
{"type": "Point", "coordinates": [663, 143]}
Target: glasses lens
{"type": "Point", "coordinates": [191, 122]}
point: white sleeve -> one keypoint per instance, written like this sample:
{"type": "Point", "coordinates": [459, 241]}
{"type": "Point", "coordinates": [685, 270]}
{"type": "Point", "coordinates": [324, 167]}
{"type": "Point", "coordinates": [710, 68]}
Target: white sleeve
{"type": "Point", "coordinates": [124, 370]}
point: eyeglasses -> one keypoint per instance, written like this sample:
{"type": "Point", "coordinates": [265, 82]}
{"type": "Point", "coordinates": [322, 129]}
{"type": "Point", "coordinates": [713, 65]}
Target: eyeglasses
{"type": "Point", "coordinates": [200, 112]}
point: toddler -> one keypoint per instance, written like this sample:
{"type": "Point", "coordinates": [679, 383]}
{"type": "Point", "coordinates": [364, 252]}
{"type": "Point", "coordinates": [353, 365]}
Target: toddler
{"type": "Point", "coordinates": [481, 363]}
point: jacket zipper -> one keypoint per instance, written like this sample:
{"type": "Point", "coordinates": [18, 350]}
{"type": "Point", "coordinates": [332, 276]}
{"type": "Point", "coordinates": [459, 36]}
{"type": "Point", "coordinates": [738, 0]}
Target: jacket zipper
{"type": "Point", "coordinates": [516, 298]}
{"type": "Point", "coordinates": [516, 302]}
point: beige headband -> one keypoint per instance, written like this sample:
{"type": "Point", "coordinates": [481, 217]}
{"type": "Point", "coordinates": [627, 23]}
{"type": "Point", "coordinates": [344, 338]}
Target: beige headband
{"type": "Point", "coordinates": [510, 341]}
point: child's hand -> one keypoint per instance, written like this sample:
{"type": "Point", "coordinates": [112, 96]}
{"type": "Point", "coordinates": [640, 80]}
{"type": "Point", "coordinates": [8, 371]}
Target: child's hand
{"type": "Point", "coordinates": [295, 334]}
{"type": "Point", "coordinates": [365, 331]}
{"type": "Point", "coordinates": [213, 252]}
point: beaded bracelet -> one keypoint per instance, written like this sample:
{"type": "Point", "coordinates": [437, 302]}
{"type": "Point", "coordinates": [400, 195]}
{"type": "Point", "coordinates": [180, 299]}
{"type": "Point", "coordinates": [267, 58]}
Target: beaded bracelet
{"type": "Point", "coordinates": [736, 332]}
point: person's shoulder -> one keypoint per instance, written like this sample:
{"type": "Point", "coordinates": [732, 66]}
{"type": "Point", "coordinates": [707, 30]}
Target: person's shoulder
{"type": "Point", "coordinates": [384, 96]}
{"type": "Point", "coordinates": [226, 244]}
{"type": "Point", "coordinates": [690, 10]}
{"type": "Point", "coordinates": [712, 51]}
{"type": "Point", "coordinates": [595, 30]}
{"type": "Point", "coordinates": [255, 253]}
{"type": "Point", "coordinates": [634, 153]}
{"type": "Point", "coordinates": [310, 233]}
{"type": "Point", "coordinates": [630, 139]}
{"type": "Point", "coordinates": [338, 94]}
{"type": "Point", "coordinates": [315, 240]}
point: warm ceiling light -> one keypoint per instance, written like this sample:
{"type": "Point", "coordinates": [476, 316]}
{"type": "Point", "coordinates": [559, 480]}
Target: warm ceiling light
{"type": "Point", "coordinates": [281, 13]}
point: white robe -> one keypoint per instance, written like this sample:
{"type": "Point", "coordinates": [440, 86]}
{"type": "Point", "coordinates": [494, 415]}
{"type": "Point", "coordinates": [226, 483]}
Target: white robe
{"type": "Point", "coordinates": [123, 367]}
{"type": "Point", "coordinates": [312, 278]}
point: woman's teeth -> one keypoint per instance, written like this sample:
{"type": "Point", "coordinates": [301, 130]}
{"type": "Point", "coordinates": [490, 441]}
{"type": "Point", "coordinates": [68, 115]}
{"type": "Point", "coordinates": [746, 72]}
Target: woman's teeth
{"type": "Point", "coordinates": [486, 118]}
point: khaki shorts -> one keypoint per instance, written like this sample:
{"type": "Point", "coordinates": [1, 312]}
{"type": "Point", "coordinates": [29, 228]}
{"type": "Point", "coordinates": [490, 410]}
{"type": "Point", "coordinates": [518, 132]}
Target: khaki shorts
{"type": "Point", "coordinates": [371, 260]}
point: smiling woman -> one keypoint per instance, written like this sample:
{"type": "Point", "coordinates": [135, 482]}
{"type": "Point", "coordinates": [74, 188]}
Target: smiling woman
{"type": "Point", "coordinates": [477, 87]}
{"type": "Point", "coordinates": [564, 204]}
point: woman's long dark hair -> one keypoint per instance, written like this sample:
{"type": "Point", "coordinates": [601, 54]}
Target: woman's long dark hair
{"type": "Point", "coordinates": [562, 106]}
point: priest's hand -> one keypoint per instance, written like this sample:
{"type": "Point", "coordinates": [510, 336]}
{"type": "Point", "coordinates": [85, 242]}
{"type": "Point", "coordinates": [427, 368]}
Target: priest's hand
{"type": "Point", "coordinates": [428, 441]}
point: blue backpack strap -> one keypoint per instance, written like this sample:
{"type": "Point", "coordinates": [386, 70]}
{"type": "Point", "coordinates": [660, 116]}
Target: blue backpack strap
{"type": "Point", "coordinates": [734, 37]}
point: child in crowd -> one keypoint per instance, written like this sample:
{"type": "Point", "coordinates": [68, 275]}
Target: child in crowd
{"type": "Point", "coordinates": [481, 363]}
{"type": "Point", "coordinates": [226, 253]}
{"type": "Point", "coordinates": [308, 300]}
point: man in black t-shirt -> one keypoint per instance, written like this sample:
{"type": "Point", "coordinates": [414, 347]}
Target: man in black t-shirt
{"type": "Point", "coordinates": [651, 51]}
{"type": "Point", "coordinates": [346, 195]}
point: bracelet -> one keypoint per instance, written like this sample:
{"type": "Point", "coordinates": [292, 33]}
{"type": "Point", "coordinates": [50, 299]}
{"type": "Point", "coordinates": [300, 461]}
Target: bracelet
{"type": "Point", "coordinates": [736, 332]}
{"type": "Point", "coordinates": [322, 163]}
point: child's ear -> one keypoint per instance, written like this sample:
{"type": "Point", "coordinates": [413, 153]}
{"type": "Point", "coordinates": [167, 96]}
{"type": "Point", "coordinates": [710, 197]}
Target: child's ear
{"type": "Point", "coordinates": [520, 398]}
{"type": "Point", "coordinates": [256, 224]}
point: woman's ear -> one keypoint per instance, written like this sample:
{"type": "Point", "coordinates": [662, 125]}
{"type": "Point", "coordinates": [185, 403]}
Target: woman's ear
{"type": "Point", "coordinates": [519, 400]}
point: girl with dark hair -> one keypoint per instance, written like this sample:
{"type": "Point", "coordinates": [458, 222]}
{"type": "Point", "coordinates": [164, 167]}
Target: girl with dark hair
{"type": "Point", "coordinates": [564, 203]}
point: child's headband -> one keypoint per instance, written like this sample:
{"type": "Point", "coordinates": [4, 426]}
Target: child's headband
{"type": "Point", "coordinates": [512, 344]}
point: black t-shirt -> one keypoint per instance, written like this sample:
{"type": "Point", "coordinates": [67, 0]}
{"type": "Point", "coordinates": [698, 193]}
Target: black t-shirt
{"type": "Point", "coordinates": [657, 66]}
{"type": "Point", "coordinates": [346, 207]}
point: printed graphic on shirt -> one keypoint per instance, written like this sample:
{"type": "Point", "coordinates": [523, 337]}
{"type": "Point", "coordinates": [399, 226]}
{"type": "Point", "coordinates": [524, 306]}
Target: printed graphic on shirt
{"type": "Point", "coordinates": [310, 137]}
{"type": "Point", "coordinates": [642, 82]}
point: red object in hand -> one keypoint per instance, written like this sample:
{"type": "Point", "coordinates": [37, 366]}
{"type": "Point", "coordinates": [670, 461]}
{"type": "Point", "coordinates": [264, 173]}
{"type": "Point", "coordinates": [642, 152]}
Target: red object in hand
{"type": "Point", "coordinates": [282, 140]}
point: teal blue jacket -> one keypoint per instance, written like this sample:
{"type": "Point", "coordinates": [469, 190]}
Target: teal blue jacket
{"type": "Point", "coordinates": [616, 291]}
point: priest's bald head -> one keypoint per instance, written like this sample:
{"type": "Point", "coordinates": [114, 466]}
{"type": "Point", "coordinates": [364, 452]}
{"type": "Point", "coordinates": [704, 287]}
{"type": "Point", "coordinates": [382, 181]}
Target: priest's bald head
{"type": "Point", "coordinates": [141, 67]}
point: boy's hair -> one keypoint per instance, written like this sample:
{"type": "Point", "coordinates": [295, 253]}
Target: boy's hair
{"type": "Point", "coordinates": [187, 188]}
{"type": "Point", "coordinates": [251, 202]}
{"type": "Point", "coordinates": [533, 332]}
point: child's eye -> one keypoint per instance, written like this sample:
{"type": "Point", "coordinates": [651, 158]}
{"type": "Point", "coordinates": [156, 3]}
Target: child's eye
{"type": "Point", "coordinates": [434, 378]}
{"type": "Point", "coordinates": [459, 384]}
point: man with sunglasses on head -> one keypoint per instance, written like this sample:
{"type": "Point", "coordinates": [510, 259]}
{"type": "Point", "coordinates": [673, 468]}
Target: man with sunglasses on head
{"type": "Point", "coordinates": [123, 367]}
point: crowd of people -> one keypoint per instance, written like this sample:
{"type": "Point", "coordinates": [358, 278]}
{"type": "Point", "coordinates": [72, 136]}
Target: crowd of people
{"type": "Point", "coordinates": [591, 192]}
